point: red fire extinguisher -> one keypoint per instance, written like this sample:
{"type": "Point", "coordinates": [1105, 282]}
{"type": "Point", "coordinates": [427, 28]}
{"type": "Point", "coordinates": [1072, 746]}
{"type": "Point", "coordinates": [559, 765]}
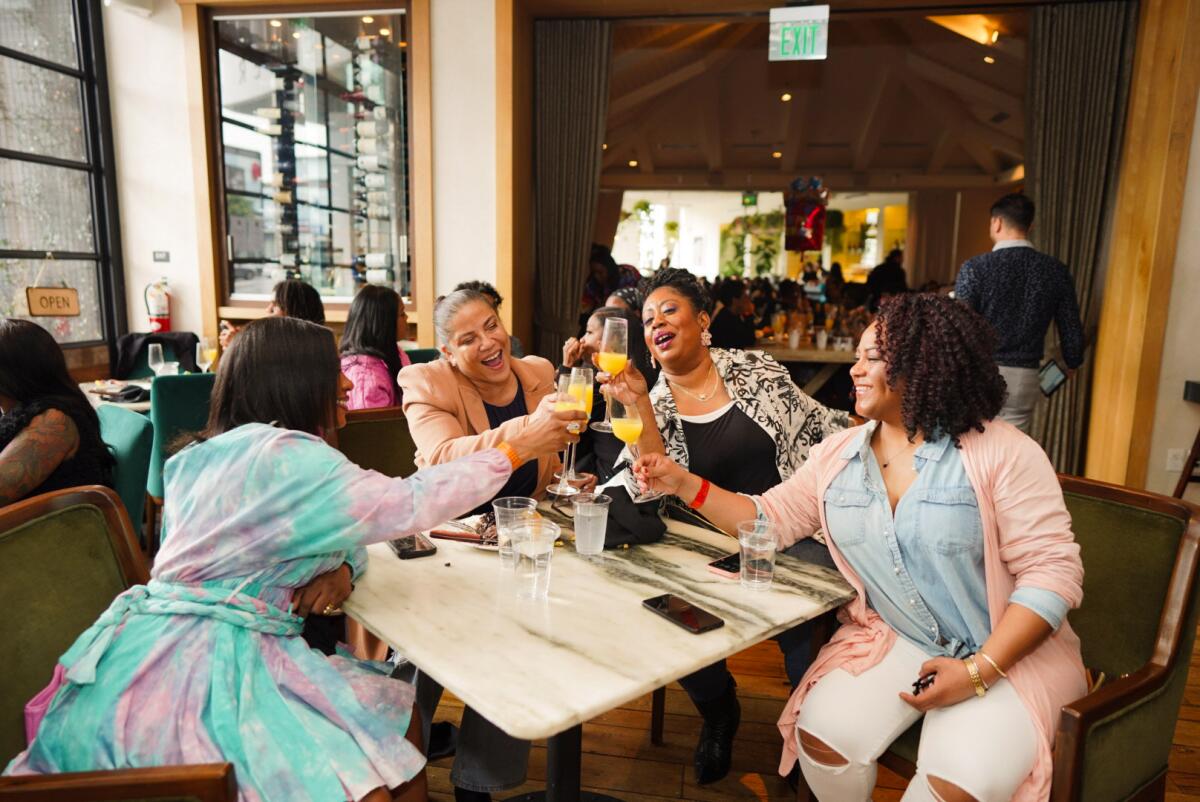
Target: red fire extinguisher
{"type": "Point", "coordinates": [158, 305]}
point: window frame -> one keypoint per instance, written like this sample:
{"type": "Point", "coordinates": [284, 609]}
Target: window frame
{"type": "Point", "coordinates": [100, 166]}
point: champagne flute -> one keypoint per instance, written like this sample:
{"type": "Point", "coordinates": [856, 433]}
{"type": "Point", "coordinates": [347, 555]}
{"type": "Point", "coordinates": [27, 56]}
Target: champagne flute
{"type": "Point", "coordinates": [581, 390]}
{"type": "Point", "coordinates": [154, 358]}
{"type": "Point", "coordinates": [206, 353]}
{"type": "Point", "coordinates": [627, 427]}
{"type": "Point", "coordinates": [564, 401]}
{"type": "Point", "coordinates": [614, 354]}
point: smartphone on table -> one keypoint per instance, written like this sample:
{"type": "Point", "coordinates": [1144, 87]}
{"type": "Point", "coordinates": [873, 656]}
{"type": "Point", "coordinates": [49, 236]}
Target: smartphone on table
{"type": "Point", "coordinates": [683, 613]}
{"type": "Point", "coordinates": [412, 546]}
{"type": "Point", "coordinates": [729, 566]}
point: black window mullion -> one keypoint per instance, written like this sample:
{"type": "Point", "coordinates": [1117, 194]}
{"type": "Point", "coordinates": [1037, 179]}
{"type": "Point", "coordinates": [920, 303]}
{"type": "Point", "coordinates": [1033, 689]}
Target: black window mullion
{"type": "Point", "coordinates": [41, 62]}
{"type": "Point", "coordinates": [38, 158]}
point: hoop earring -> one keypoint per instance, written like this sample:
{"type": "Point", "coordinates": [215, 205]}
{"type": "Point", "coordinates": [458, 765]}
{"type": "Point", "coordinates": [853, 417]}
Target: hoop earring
{"type": "Point", "coordinates": [706, 338]}
{"type": "Point", "coordinates": [653, 364]}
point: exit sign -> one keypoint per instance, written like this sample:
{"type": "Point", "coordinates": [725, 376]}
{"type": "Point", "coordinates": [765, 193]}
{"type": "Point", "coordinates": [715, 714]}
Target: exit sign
{"type": "Point", "coordinates": [798, 33]}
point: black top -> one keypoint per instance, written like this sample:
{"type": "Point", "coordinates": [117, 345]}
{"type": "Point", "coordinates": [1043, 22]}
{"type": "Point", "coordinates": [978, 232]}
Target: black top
{"type": "Point", "coordinates": [1019, 291]}
{"type": "Point", "coordinates": [730, 331]}
{"type": "Point", "coordinates": [523, 481]}
{"type": "Point", "coordinates": [733, 452]}
{"type": "Point", "coordinates": [92, 463]}
{"type": "Point", "coordinates": [888, 278]}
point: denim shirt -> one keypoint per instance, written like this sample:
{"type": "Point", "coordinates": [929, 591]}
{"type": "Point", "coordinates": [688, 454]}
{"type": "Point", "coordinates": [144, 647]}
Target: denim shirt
{"type": "Point", "coordinates": [922, 568]}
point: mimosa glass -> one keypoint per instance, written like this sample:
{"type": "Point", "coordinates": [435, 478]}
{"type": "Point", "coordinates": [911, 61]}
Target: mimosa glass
{"type": "Point", "coordinates": [566, 401]}
{"type": "Point", "coordinates": [614, 354]}
{"type": "Point", "coordinates": [627, 427]}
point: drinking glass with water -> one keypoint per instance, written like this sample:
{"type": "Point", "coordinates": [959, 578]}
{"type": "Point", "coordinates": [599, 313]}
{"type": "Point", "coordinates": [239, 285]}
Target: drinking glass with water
{"type": "Point", "coordinates": [758, 541]}
{"type": "Point", "coordinates": [591, 521]}
{"type": "Point", "coordinates": [533, 546]}
{"type": "Point", "coordinates": [510, 511]}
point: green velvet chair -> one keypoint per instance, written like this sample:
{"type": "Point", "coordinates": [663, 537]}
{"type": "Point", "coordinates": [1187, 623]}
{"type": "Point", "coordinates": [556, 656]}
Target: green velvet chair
{"type": "Point", "coordinates": [1137, 624]}
{"type": "Point", "coordinates": [130, 437]}
{"type": "Point", "coordinates": [378, 439]}
{"type": "Point", "coordinates": [64, 556]}
{"type": "Point", "coordinates": [419, 355]}
{"type": "Point", "coordinates": [178, 404]}
{"type": "Point", "coordinates": [208, 782]}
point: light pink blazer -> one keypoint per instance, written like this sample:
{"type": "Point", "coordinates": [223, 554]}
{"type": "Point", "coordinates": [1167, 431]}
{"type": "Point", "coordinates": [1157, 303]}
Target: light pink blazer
{"type": "Point", "coordinates": [1027, 543]}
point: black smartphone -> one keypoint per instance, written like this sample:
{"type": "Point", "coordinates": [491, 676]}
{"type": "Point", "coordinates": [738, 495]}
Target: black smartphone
{"type": "Point", "coordinates": [683, 613]}
{"type": "Point", "coordinates": [1050, 378]}
{"type": "Point", "coordinates": [729, 566]}
{"type": "Point", "coordinates": [411, 546]}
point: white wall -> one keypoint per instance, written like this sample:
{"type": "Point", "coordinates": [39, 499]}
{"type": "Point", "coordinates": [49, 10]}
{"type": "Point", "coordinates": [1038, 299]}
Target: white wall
{"type": "Point", "coordinates": [464, 141]}
{"type": "Point", "coordinates": [148, 91]}
{"type": "Point", "coordinates": [1175, 420]}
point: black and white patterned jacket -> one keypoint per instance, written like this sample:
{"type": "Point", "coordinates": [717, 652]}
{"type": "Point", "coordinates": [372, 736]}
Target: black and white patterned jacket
{"type": "Point", "coordinates": [763, 389]}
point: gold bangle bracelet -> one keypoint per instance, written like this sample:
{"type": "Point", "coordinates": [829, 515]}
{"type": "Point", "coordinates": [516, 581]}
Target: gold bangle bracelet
{"type": "Point", "coordinates": [976, 680]}
{"type": "Point", "coordinates": [992, 663]}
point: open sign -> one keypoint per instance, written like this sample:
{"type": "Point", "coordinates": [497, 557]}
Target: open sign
{"type": "Point", "coordinates": [52, 301]}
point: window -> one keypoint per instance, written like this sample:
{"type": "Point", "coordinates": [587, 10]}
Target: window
{"type": "Point", "coordinates": [314, 145]}
{"type": "Point", "coordinates": [58, 219]}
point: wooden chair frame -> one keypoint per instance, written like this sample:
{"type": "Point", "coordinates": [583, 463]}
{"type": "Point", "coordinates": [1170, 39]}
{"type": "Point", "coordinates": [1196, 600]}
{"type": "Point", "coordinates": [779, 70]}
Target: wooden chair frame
{"type": "Point", "coordinates": [1078, 717]}
{"type": "Point", "coordinates": [208, 782]}
{"type": "Point", "coordinates": [120, 531]}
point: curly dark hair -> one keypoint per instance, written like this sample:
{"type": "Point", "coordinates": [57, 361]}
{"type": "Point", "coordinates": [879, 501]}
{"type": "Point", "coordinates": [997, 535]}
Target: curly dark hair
{"type": "Point", "coordinates": [682, 282]}
{"type": "Point", "coordinates": [944, 352]}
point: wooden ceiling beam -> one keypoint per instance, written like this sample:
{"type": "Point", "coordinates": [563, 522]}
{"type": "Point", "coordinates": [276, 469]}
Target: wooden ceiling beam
{"type": "Point", "coordinates": [866, 142]}
{"type": "Point", "coordinates": [963, 85]}
{"type": "Point", "coordinates": [645, 152]}
{"type": "Point", "coordinates": [941, 151]}
{"type": "Point", "coordinates": [766, 180]}
{"type": "Point", "coordinates": [982, 155]}
{"type": "Point", "coordinates": [715, 59]}
{"type": "Point", "coordinates": [710, 115]}
{"type": "Point", "coordinates": [951, 114]}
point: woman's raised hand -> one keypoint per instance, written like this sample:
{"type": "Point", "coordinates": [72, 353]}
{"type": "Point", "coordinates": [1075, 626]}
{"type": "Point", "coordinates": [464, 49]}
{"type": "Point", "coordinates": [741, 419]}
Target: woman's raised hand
{"type": "Point", "coordinates": [658, 472]}
{"type": "Point", "coordinates": [545, 431]}
{"type": "Point", "coordinates": [628, 386]}
{"type": "Point", "coordinates": [572, 350]}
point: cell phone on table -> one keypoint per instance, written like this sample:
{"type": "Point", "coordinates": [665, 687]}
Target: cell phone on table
{"type": "Point", "coordinates": [1050, 378]}
{"type": "Point", "coordinates": [729, 566]}
{"type": "Point", "coordinates": [684, 613]}
{"type": "Point", "coordinates": [412, 546]}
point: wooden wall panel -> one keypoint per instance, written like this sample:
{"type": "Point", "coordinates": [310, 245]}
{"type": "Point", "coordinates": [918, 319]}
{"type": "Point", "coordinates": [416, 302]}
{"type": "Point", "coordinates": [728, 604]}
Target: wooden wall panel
{"type": "Point", "coordinates": [1162, 108]}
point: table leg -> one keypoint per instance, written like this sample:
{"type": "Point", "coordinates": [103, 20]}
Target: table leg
{"type": "Point", "coordinates": [818, 381]}
{"type": "Point", "coordinates": [563, 754]}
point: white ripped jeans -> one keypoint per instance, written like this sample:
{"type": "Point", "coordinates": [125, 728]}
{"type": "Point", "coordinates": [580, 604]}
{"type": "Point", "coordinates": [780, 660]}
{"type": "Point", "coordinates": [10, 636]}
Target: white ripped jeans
{"type": "Point", "coordinates": [985, 745]}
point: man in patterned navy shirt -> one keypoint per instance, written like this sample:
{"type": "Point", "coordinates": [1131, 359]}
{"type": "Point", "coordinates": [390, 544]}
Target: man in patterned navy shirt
{"type": "Point", "coordinates": [1020, 291]}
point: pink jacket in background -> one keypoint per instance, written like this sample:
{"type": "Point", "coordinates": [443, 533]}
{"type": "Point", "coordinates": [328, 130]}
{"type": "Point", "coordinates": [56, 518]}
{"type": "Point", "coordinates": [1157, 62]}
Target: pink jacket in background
{"type": "Point", "coordinates": [373, 387]}
{"type": "Point", "coordinates": [1027, 543]}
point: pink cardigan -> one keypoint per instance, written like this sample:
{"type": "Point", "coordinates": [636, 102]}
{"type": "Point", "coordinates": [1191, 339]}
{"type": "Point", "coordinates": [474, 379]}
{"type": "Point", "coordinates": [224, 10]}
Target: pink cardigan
{"type": "Point", "coordinates": [1027, 543]}
{"type": "Point", "coordinates": [373, 384]}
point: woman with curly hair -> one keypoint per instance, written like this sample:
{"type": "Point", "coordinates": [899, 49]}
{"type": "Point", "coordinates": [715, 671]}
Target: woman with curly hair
{"type": "Point", "coordinates": [951, 527]}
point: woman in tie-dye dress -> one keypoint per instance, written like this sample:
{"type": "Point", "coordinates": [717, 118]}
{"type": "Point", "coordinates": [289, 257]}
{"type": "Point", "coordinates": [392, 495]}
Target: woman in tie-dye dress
{"type": "Point", "coordinates": [205, 663]}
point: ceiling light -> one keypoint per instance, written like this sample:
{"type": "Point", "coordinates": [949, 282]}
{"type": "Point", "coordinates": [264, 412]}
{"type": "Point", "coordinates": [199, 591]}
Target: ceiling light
{"type": "Point", "coordinates": [603, 146]}
{"type": "Point", "coordinates": [295, 34]}
{"type": "Point", "coordinates": [368, 20]}
{"type": "Point", "coordinates": [785, 97]}
{"type": "Point", "coordinates": [385, 31]}
{"type": "Point", "coordinates": [989, 60]}
{"type": "Point", "coordinates": [276, 23]}
{"type": "Point", "coordinates": [401, 44]}
{"type": "Point", "coordinates": [633, 162]}
{"type": "Point", "coordinates": [776, 154]}
{"type": "Point", "coordinates": [995, 36]}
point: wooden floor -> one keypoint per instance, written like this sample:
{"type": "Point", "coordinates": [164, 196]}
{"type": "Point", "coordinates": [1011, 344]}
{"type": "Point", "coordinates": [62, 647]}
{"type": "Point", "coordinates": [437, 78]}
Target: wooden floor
{"type": "Point", "coordinates": [620, 761]}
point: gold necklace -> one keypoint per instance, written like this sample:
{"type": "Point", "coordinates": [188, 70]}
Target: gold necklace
{"type": "Point", "coordinates": [712, 369]}
{"type": "Point", "coordinates": [894, 454]}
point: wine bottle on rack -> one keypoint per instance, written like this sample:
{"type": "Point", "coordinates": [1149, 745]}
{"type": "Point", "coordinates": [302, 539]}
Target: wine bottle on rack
{"type": "Point", "coordinates": [373, 260]}
{"type": "Point", "coordinates": [372, 163]}
{"type": "Point", "coordinates": [369, 145]}
{"type": "Point", "coordinates": [371, 128]}
{"type": "Point", "coordinates": [375, 180]}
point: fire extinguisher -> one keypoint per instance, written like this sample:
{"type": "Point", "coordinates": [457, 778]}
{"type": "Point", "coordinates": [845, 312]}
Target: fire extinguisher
{"type": "Point", "coordinates": [158, 305]}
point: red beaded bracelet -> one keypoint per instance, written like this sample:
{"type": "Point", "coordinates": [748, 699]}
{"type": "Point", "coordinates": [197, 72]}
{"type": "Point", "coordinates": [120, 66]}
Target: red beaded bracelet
{"type": "Point", "coordinates": [701, 495]}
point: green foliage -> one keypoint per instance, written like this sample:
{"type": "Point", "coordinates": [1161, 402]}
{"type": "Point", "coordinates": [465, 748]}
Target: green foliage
{"type": "Point", "coordinates": [763, 231]}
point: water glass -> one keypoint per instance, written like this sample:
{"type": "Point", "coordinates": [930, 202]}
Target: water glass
{"type": "Point", "coordinates": [154, 358]}
{"type": "Point", "coordinates": [758, 541]}
{"type": "Point", "coordinates": [533, 546]}
{"type": "Point", "coordinates": [510, 511]}
{"type": "Point", "coordinates": [591, 521]}
{"type": "Point", "coordinates": [169, 369]}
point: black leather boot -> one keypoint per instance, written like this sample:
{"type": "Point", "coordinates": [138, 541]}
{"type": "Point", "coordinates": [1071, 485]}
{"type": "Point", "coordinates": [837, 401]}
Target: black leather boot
{"type": "Point", "coordinates": [714, 751]}
{"type": "Point", "coordinates": [463, 795]}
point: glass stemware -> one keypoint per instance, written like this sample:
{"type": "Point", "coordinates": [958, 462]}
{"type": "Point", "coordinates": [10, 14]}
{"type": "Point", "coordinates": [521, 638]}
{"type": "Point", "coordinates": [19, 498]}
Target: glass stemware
{"type": "Point", "coordinates": [580, 388]}
{"type": "Point", "coordinates": [627, 427]}
{"type": "Point", "coordinates": [206, 353]}
{"type": "Point", "coordinates": [614, 354]}
{"type": "Point", "coordinates": [567, 401]}
{"type": "Point", "coordinates": [154, 358]}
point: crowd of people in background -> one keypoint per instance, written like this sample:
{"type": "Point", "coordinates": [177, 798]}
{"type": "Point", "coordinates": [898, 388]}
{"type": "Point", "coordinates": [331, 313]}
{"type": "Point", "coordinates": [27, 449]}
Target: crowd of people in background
{"type": "Point", "coordinates": [914, 497]}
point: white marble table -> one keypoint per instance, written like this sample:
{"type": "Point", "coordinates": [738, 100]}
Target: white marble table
{"type": "Point", "coordinates": [112, 385]}
{"type": "Point", "coordinates": [538, 669]}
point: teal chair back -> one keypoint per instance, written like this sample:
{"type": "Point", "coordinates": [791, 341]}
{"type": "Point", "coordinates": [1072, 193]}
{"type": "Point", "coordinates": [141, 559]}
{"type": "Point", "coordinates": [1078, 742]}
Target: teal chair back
{"type": "Point", "coordinates": [64, 556]}
{"type": "Point", "coordinates": [419, 355]}
{"type": "Point", "coordinates": [379, 440]}
{"type": "Point", "coordinates": [130, 437]}
{"type": "Point", "coordinates": [178, 404]}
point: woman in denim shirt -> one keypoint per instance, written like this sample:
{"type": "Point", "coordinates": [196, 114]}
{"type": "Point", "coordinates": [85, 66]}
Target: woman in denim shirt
{"type": "Point", "coordinates": [952, 528]}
